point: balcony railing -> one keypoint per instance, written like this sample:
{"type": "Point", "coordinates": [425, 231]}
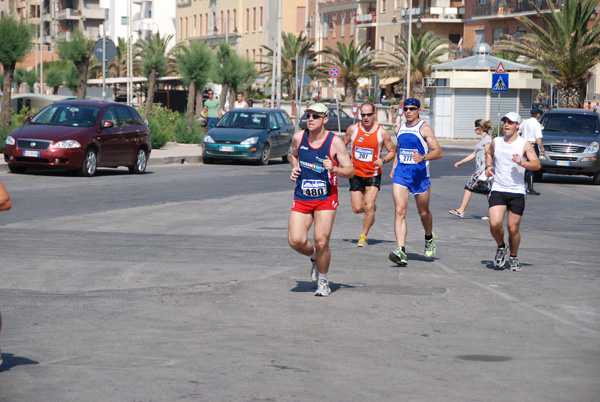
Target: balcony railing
{"type": "Point", "coordinates": [511, 7]}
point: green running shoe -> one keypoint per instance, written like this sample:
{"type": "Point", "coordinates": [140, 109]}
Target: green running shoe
{"type": "Point", "coordinates": [399, 257]}
{"type": "Point", "coordinates": [430, 246]}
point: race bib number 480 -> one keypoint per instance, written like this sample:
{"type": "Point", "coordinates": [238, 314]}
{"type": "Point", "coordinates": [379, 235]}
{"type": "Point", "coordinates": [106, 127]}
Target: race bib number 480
{"type": "Point", "coordinates": [314, 188]}
{"type": "Point", "coordinates": [406, 156]}
{"type": "Point", "coordinates": [363, 154]}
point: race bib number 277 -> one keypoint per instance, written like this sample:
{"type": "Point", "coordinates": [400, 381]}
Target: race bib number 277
{"type": "Point", "coordinates": [406, 156]}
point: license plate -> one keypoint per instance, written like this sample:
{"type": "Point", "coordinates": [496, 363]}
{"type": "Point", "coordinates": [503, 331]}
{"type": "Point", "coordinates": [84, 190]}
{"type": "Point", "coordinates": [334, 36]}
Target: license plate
{"type": "Point", "coordinates": [226, 149]}
{"type": "Point", "coordinates": [562, 163]}
{"type": "Point", "coordinates": [34, 154]}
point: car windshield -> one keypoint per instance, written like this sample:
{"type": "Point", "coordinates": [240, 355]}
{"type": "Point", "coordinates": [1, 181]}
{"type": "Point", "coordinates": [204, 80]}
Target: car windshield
{"type": "Point", "coordinates": [67, 115]}
{"type": "Point", "coordinates": [250, 120]}
{"type": "Point", "coordinates": [585, 125]}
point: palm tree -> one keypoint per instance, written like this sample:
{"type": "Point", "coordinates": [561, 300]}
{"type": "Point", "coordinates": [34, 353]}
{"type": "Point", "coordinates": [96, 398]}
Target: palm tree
{"type": "Point", "coordinates": [14, 45]}
{"type": "Point", "coordinates": [152, 56]}
{"type": "Point", "coordinates": [562, 47]}
{"type": "Point", "coordinates": [291, 47]}
{"type": "Point", "coordinates": [354, 62]}
{"type": "Point", "coordinates": [54, 78]}
{"type": "Point", "coordinates": [195, 63]}
{"type": "Point", "coordinates": [231, 71]}
{"type": "Point", "coordinates": [118, 66]}
{"type": "Point", "coordinates": [426, 51]}
{"type": "Point", "coordinates": [78, 50]}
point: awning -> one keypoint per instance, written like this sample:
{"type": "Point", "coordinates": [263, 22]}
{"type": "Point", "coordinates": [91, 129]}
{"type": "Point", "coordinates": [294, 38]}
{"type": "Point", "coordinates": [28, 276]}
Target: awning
{"type": "Point", "coordinates": [363, 83]}
{"type": "Point", "coordinates": [387, 81]}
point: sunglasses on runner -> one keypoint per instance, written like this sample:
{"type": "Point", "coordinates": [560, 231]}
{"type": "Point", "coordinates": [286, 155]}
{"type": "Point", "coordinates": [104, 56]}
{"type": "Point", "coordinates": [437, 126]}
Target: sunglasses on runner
{"type": "Point", "coordinates": [412, 109]}
{"type": "Point", "coordinates": [366, 114]}
{"type": "Point", "coordinates": [314, 116]}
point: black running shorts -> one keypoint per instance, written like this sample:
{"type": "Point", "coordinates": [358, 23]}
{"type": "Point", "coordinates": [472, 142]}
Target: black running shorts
{"type": "Point", "coordinates": [358, 183]}
{"type": "Point", "coordinates": [515, 203]}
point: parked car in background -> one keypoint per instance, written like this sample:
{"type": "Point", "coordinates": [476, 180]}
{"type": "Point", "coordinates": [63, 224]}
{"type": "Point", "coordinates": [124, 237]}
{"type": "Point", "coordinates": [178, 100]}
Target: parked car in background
{"type": "Point", "coordinates": [250, 134]}
{"type": "Point", "coordinates": [80, 135]}
{"type": "Point", "coordinates": [572, 143]}
{"type": "Point", "coordinates": [332, 125]}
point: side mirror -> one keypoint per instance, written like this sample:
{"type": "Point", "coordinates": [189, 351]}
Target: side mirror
{"type": "Point", "coordinates": [108, 124]}
{"type": "Point", "coordinates": [275, 127]}
{"type": "Point", "coordinates": [29, 118]}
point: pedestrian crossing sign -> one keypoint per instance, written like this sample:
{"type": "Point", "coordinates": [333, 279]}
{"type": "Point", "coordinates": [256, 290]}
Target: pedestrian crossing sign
{"type": "Point", "coordinates": [500, 82]}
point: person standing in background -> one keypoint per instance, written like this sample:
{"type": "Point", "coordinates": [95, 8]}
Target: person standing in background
{"type": "Point", "coordinates": [212, 107]}
{"type": "Point", "coordinates": [531, 130]}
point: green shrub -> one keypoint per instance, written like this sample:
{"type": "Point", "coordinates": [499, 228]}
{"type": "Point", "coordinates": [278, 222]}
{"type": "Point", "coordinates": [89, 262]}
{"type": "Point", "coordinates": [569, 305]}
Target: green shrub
{"type": "Point", "coordinates": [5, 131]}
{"type": "Point", "coordinates": [165, 118]}
{"type": "Point", "coordinates": [158, 136]}
{"type": "Point", "coordinates": [183, 136]}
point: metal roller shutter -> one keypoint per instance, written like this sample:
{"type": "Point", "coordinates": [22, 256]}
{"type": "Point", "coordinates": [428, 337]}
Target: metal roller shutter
{"type": "Point", "coordinates": [525, 102]}
{"type": "Point", "coordinates": [507, 103]}
{"type": "Point", "coordinates": [469, 105]}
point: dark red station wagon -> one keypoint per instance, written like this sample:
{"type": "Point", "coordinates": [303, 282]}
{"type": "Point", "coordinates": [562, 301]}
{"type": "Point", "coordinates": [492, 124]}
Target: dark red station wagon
{"type": "Point", "coordinates": [80, 135]}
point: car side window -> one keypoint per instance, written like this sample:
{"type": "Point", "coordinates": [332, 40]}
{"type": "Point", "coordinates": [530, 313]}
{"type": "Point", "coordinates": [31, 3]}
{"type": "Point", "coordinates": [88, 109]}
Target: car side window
{"type": "Point", "coordinates": [137, 119]}
{"type": "Point", "coordinates": [280, 121]}
{"type": "Point", "coordinates": [124, 116]}
{"type": "Point", "coordinates": [272, 120]}
{"type": "Point", "coordinates": [109, 115]}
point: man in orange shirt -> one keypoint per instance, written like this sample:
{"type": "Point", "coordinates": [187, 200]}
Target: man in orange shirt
{"type": "Point", "coordinates": [367, 139]}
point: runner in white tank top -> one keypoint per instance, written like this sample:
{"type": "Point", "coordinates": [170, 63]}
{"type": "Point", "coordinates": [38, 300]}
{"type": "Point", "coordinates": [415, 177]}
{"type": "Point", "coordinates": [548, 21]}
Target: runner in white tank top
{"type": "Point", "coordinates": [512, 155]}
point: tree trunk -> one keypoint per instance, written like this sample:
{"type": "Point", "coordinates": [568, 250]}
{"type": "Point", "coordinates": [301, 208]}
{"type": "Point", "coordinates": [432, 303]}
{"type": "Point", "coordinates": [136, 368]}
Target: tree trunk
{"type": "Point", "coordinates": [54, 90]}
{"type": "Point", "coordinates": [350, 90]}
{"type": "Point", "coordinates": [571, 92]}
{"type": "Point", "coordinates": [224, 90]}
{"type": "Point", "coordinates": [151, 87]}
{"type": "Point", "coordinates": [190, 104]}
{"type": "Point", "coordinates": [419, 92]}
{"type": "Point", "coordinates": [199, 101]}
{"type": "Point", "coordinates": [9, 72]}
{"type": "Point", "coordinates": [82, 72]}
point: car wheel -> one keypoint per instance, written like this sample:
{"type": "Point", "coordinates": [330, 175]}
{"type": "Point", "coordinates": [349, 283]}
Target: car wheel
{"type": "Point", "coordinates": [596, 178]}
{"type": "Point", "coordinates": [286, 157]}
{"type": "Point", "coordinates": [90, 163]}
{"type": "Point", "coordinates": [141, 160]}
{"type": "Point", "coordinates": [537, 176]}
{"type": "Point", "coordinates": [266, 154]}
{"type": "Point", "coordinates": [16, 169]}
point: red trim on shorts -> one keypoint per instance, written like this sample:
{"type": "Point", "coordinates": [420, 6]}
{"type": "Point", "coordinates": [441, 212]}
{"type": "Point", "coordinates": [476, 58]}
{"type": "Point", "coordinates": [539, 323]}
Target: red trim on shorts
{"type": "Point", "coordinates": [308, 207]}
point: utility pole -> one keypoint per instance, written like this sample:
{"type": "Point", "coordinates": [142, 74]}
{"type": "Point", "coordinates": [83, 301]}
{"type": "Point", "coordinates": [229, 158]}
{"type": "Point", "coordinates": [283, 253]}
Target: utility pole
{"type": "Point", "coordinates": [129, 55]}
{"type": "Point", "coordinates": [279, 11]}
{"type": "Point", "coordinates": [42, 46]}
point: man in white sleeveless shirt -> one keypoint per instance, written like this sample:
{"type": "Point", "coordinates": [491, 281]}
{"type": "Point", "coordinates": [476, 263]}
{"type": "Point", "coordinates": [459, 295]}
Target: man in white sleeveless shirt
{"type": "Point", "coordinates": [511, 155]}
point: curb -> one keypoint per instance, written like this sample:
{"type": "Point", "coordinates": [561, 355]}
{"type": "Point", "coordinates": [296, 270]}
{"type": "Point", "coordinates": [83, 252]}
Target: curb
{"type": "Point", "coordinates": [169, 160]}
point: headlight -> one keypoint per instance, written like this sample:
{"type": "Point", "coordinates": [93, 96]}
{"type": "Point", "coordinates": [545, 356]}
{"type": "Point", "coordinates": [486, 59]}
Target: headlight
{"type": "Point", "coordinates": [591, 149]}
{"type": "Point", "coordinates": [9, 140]}
{"type": "Point", "coordinates": [67, 144]}
{"type": "Point", "coordinates": [249, 141]}
{"type": "Point", "coordinates": [208, 138]}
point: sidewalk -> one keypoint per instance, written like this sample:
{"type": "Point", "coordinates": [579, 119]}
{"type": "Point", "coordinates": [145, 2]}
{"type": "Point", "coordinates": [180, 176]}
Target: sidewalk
{"type": "Point", "coordinates": [172, 153]}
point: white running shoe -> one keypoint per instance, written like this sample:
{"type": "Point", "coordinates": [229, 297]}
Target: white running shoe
{"type": "Point", "coordinates": [314, 272]}
{"type": "Point", "coordinates": [500, 259]}
{"type": "Point", "coordinates": [323, 288]}
{"type": "Point", "coordinates": [514, 264]}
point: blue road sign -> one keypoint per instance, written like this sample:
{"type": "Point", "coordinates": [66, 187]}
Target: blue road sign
{"type": "Point", "coordinates": [500, 82]}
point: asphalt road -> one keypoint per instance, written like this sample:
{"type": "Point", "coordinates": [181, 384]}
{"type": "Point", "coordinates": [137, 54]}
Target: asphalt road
{"type": "Point", "coordinates": [180, 285]}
